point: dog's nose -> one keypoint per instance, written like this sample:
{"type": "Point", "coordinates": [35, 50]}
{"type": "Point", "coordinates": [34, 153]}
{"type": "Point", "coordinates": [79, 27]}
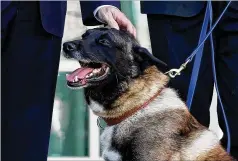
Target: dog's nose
{"type": "Point", "coordinates": [69, 47]}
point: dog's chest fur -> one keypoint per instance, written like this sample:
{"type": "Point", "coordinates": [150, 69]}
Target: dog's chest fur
{"type": "Point", "coordinates": [153, 133]}
{"type": "Point", "coordinates": [130, 139]}
{"type": "Point", "coordinates": [164, 130]}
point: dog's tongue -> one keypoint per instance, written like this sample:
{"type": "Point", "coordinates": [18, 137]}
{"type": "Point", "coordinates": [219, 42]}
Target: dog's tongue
{"type": "Point", "coordinates": [80, 72]}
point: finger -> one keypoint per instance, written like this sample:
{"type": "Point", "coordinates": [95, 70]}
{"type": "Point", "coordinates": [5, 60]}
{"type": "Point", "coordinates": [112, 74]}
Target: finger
{"type": "Point", "coordinates": [134, 32]}
{"type": "Point", "coordinates": [112, 23]}
{"type": "Point", "coordinates": [130, 29]}
{"type": "Point", "coordinates": [109, 19]}
{"type": "Point", "coordinates": [120, 18]}
{"type": "Point", "coordinates": [124, 22]}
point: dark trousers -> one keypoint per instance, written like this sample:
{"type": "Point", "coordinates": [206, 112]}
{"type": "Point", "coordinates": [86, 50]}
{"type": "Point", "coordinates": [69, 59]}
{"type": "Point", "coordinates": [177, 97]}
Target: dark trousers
{"type": "Point", "coordinates": [29, 67]}
{"type": "Point", "coordinates": [174, 38]}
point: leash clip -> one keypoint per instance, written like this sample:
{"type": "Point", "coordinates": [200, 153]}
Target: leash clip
{"type": "Point", "coordinates": [174, 72]}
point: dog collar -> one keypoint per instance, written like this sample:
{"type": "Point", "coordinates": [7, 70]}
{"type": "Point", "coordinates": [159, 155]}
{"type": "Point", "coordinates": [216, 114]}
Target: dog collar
{"type": "Point", "coordinates": [114, 121]}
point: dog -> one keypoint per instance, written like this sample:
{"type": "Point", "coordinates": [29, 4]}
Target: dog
{"type": "Point", "coordinates": [126, 86]}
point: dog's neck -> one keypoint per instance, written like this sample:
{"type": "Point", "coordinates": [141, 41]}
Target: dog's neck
{"type": "Point", "coordinates": [141, 91]}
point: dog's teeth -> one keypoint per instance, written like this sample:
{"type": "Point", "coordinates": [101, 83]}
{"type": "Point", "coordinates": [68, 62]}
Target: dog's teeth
{"type": "Point", "coordinates": [97, 70]}
{"type": "Point", "coordinates": [76, 79]}
{"type": "Point", "coordinates": [89, 75]}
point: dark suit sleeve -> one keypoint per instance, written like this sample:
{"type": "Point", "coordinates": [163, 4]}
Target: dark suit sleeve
{"type": "Point", "coordinates": [87, 8]}
{"type": "Point", "coordinates": [4, 4]}
{"type": "Point", "coordinates": [8, 13]}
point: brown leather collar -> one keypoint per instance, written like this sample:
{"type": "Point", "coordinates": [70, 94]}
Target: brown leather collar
{"type": "Point", "coordinates": [114, 121]}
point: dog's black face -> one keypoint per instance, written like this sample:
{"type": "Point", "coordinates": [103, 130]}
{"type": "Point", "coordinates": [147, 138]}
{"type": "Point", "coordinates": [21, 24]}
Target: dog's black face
{"type": "Point", "coordinates": [109, 59]}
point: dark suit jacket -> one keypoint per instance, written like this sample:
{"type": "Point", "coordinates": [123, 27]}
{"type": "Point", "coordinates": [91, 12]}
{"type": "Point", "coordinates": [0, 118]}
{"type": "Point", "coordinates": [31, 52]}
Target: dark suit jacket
{"type": "Point", "coordinates": [53, 13]}
{"type": "Point", "coordinates": [175, 8]}
{"type": "Point", "coordinates": [183, 8]}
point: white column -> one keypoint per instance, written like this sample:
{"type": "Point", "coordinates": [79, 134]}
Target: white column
{"type": "Point", "coordinates": [94, 145]}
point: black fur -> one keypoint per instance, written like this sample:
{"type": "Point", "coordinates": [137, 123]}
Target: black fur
{"type": "Point", "coordinates": [120, 51]}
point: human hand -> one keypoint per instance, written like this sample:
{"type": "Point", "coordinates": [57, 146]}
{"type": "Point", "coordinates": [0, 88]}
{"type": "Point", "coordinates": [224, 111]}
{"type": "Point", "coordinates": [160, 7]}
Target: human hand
{"type": "Point", "coordinates": [116, 19]}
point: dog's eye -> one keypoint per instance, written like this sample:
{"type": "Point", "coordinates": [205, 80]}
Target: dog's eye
{"type": "Point", "coordinates": [104, 42]}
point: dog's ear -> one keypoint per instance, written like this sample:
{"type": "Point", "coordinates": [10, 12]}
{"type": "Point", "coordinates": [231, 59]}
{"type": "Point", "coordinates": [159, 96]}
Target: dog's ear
{"type": "Point", "coordinates": [146, 59]}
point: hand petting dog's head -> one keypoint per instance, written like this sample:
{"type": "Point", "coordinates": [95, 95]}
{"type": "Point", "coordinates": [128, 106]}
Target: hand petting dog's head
{"type": "Point", "coordinates": [109, 58]}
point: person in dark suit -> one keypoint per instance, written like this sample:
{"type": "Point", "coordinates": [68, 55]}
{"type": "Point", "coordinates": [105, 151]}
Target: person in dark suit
{"type": "Point", "coordinates": [174, 32]}
{"type": "Point", "coordinates": [31, 35]}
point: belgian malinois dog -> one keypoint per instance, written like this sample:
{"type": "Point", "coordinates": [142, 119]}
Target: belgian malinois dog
{"type": "Point", "coordinates": [126, 86]}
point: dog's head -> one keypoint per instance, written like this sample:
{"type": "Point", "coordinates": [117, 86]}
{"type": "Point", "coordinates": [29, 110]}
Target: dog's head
{"type": "Point", "coordinates": [109, 59]}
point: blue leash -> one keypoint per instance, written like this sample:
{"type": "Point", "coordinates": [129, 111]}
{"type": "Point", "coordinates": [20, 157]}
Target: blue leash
{"type": "Point", "coordinates": [198, 58]}
{"type": "Point", "coordinates": [198, 52]}
{"type": "Point", "coordinates": [216, 85]}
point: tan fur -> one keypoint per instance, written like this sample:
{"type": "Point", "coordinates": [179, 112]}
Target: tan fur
{"type": "Point", "coordinates": [167, 130]}
{"type": "Point", "coordinates": [190, 124]}
{"type": "Point", "coordinates": [215, 154]}
{"type": "Point", "coordinates": [164, 130]}
{"type": "Point", "coordinates": [139, 91]}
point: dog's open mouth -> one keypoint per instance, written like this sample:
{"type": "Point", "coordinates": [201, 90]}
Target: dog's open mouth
{"type": "Point", "coordinates": [88, 74]}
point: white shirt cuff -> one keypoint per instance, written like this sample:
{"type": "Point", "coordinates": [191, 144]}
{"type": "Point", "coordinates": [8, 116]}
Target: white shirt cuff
{"type": "Point", "coordinates": [96, 10]}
